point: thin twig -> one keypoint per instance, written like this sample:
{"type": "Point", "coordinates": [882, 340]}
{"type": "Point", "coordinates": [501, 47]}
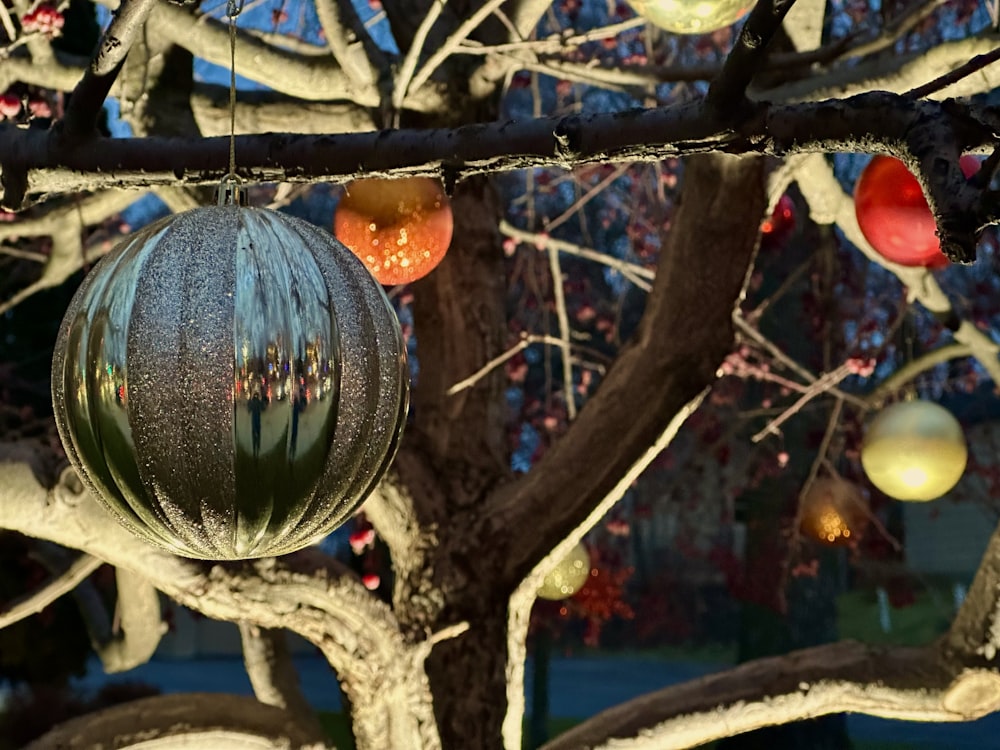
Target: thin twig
{"type": "Point", "coordinates": [559, 296]}
{"type": "Point", "coordinates": [633, 271]}
{"type": "Point", "coordinates": [974, 65]}
{"type": "Point", "coordinates": [915, 367]}
{"type": "Point", "coordinates": [587, 197]}
{"type": "Point", "coordinates": [775, 351]}
{"type": "Point", "coordinates": [460, 35]}
{"type": "Point", "coordinates": [38, 600]}
{"type": "Point", "coordinates": [822, 385]}
{"type": "Point", "coordinates": [524, 343]}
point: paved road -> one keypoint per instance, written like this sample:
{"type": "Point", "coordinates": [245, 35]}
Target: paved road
{"type": "Point", "coordinates": [578, 687]}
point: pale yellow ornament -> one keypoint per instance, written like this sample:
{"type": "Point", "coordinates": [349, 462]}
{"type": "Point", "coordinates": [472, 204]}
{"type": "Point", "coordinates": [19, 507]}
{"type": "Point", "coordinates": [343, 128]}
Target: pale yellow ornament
{"type": "Point", "coordinates": [568, 576]}
{"type": "Point", "coordinates": [914, 450]}
{"type": "Point", "coordinates": [692, 16]}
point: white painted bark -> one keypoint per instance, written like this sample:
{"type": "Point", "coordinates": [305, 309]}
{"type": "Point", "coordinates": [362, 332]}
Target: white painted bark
{"type": "Point", "coordinates": [519, 609]}
{"type": "Point", "coordinates": [175, 722]}
{"type": "Point", "coordinates": [307, 593]}
{"type": "Point", "coordinates": [905, 684]}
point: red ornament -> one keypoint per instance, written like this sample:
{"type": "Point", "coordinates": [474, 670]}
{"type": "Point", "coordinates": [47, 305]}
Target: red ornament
{"type": "Point", "coordinates": [371, 581]}
{"type": "Point", "coordinates": [894, 216]}
{"type": "Point", "coordinates": [400, 229]}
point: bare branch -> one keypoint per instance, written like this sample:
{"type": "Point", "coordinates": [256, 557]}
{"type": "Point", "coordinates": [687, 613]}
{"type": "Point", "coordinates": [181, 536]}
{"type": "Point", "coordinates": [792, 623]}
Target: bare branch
{"type": "Point", "coordinates": [140, 624]}
{"type": "Point", "coordinates": [829, 203]}
{"type": "Point", "coordinates": [38, 600]}
{"type": "Point", "coordinates": [218, 721]}
{"type": "Point", "coordinates": [655, 376]}
{"type": "Point", "coordinates": [727, 96]}
{"type": "Point", "coordinates": [272, 674]}
{"type": "Point", "coordinates": [338, 35]}
{"type": "Point", "coordinates": [306, 592]}
{"type": "Point", "coordinates": [907, 684]}
{"type": "Point", "coordinates": [867, 122]}
{"type": "Point", "coordinates": [89, 95]}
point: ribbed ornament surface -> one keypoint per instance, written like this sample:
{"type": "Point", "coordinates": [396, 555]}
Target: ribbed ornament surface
{"type": "Point", "coordinates": [231, 382]}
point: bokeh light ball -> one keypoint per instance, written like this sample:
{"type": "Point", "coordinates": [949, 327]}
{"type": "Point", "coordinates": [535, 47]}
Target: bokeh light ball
{"type": "Point", "coordinates": [692, 16]}
{"type": "Point", "coordinates": [400, 229]}
{"type": "Point", "coordinates": [893, 213]}
{"type": "Point", "coordinates": [568, 576]}
{"type": "Point", "coordinates": [914, 450]}
{"type": "Point", "coordinates": [230, 382]}
{"type": "Point", "coordinates": [833, 511]}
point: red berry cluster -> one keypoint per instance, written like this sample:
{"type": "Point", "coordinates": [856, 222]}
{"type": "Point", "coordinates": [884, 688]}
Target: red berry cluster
{"type": "Point", "coordinates": [45, 18]}
{"type": "Point", "coordinates": [10, 106]}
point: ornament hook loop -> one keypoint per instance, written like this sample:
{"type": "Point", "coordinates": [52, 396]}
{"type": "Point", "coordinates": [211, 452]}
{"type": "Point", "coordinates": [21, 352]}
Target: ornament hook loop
{"type": "Point", "coordinates": [231, 191]}
{"type": "Point", "coordinates": [234, 8]}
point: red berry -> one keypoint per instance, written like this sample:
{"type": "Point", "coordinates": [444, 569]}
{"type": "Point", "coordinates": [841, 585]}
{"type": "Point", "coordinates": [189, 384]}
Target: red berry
{"type": "Point", "coordinates": [10, 106]}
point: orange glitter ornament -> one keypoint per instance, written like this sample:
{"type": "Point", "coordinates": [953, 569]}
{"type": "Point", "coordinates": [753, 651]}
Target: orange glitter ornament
{"type": "Point", "coordinates": [400, 229]}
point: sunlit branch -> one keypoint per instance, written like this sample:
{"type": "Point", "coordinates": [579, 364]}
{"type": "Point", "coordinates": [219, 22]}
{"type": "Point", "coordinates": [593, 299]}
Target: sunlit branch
{"type": "Point", "coordinates": [409, 66]}
{"type": "Point", "coordinates": [752, 333]}
{"type": "Point", "coordinates": [559, 298]}
{"type": "Point", "coordinates": [451, 43]}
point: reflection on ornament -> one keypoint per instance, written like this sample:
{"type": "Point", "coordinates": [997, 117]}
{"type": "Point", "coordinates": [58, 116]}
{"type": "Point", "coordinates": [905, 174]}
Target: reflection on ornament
{"type": "Point", "coordinates": [833, 511]}
{"type": "Point", "coordinates": [230, 382]}
{"type": "Point", "coordinates": [567, 577]}
{"type": "Point", "coordinates": [894, 216]}
{"type": "Point", "coordinates": [400, 229]}
{"type": "Point", "coordinates": [914, 450]}
{"type": "Point", "coordinates": [692, 16]}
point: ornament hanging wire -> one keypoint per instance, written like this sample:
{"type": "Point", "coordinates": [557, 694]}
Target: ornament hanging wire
{"type": "Point", "coordinates": [231, 192]}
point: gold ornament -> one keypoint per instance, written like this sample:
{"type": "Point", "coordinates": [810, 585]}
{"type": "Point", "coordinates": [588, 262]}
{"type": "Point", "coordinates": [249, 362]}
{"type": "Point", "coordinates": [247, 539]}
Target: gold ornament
{"type": "Point", "coordinates": [833, 511]}
{"type": "Point", "coordinates": [914, 450]}
{"type": "Point", "coordinates": [692, 16]}
{"type": "Point", "coordinates": [567, 577]}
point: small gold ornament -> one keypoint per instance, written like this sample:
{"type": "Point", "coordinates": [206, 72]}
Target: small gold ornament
{"type": "Point", "coordinates": [567, 577]}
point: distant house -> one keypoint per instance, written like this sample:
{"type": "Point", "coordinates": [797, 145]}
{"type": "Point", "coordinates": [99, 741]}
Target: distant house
{"type": "Point", "coordinates": [947, 536]}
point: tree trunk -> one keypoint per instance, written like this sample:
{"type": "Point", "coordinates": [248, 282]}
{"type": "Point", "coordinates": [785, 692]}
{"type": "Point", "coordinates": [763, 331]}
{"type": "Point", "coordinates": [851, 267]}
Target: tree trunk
{"type": "Point", "coordinates": [467, 677]}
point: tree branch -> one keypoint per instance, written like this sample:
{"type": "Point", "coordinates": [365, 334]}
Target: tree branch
{"type": "Point", "coordinates": [829, 203]}
{"type": "Point", "coordinates": [189, 719]}
{"type": "Point", "coordinates": [272, 674]}
{"type": "Point", "coordinates": [89, 95]}
{"type": "Point", "coordinates": [306, 592]}
{"type": "Point", "coordinates": [140, 624]}
{"type": "Point", "coordinates": [727, 96]}
{"type": "Point", "coordinates": [868, 122]}
{"type": "Point", "coordinates": [39, 599]}
{"type": "Point", "coordinates": [907, 684]}
{"type": "Point", "coordinates": [672, 358]}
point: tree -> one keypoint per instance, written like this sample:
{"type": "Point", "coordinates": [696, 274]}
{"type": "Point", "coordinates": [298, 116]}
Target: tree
{"type": "Point", "coordinates": [441, 665]}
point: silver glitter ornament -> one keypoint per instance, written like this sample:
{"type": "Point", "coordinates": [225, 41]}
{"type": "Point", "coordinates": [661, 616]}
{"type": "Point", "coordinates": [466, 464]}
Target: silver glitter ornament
{"type": "Point", "coordinates": [231, 383]}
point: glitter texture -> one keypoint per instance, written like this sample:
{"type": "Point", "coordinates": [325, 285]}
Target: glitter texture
{"type": "Point", "coordinates": [230, 382]}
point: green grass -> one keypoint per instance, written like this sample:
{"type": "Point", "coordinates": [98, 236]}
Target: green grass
{"type": "Point", "coordinates": [914, 625]}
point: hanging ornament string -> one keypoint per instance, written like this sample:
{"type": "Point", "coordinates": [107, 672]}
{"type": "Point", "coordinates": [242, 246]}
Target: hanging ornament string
{"type": "Point", "coordinates": [230, 191]}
